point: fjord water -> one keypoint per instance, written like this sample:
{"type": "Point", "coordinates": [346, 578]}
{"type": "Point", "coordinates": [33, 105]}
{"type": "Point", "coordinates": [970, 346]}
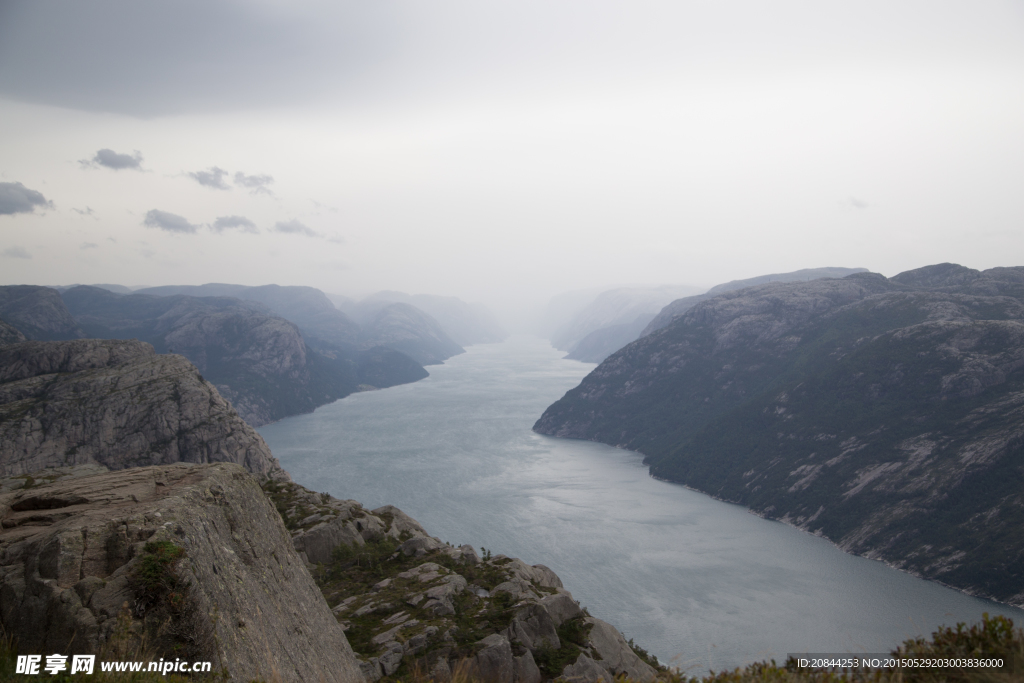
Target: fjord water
{"type": "Point", "coordinates": [700, 583]}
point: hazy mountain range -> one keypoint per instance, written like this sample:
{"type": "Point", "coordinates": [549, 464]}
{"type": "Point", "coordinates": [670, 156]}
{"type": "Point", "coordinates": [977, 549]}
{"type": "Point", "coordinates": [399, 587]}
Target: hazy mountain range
{"type": "Point", "coordinates": [272, 351]}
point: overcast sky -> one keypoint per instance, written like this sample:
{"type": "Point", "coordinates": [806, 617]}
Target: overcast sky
{"type": "Point", "coordinates": [501, 150]}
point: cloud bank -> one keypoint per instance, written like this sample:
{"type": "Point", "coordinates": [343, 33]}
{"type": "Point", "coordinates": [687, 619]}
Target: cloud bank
{"type": "Point", "coordinates": [108, 158]}
{"type": "Point", "coordinates": [294, 227]}
{"type": "Point", "coordinates": [213, 177]}
{"type": "Point", "coordinates": [16, 198]}
{"type": "Point", "coordinates": [256, 184]}
{"type": "Point", "coordinates": [168, 221]}
{"type": "Point", "coordinates": [230, 222]}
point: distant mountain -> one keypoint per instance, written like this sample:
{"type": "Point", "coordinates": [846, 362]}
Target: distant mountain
{"type": "Point", "coordinates": [620, 306]}
{"type": "Point", "coordinates": [258, 361]}
{"type": "Point", "coordinates": [600, 344]}
{"type": "Point", "coordinates": [466, 324]}
{"type": "Point", "coordinates": [38, 313]}
{"type": "Point", "coordinates": [118, 289]}
{"type": "Point", "coordinates": [884, 414]}
{"type": "Point", "coordinates": [334, 332]}
{"type": "Point", "coordinates": [307, 307]}
{"type": "Point", "coordinates": [682, 305]}
{"type": "Point", "coordinates": [407, 329]}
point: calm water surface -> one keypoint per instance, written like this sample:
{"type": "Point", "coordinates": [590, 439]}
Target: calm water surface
{"type": "Point", "coordinates": [700, 583]}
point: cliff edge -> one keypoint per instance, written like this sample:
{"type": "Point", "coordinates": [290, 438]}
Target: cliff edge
{"type": "Point", "coordinates": [116, 403]}
{"type": "Point", "coordinates": [187, 561]}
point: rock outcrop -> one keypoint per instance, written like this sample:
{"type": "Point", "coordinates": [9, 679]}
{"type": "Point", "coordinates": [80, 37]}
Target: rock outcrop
{"type": "Point", "coordinates": [884, 414]}
{"type": "Point", "coordinates": [38, 313]}
{"type": "Point", "coordinates": [116, 403]}
{"type": "Point", "coordinates": [410, 601]}
{"type": "Point", "coordinates": [174, 561]}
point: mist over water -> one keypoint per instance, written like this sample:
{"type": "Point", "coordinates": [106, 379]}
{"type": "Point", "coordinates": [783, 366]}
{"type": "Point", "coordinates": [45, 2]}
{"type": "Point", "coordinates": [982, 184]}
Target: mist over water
{"type": "Point", "coordinates": [698, 582]}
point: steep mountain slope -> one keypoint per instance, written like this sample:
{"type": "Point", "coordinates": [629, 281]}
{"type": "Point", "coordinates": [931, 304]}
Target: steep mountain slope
{"type": "Point", "coordinates": [258, 361]}
{"type": "Point", "coordinates": [886, 415]}
{"type": "Point", "coordinates": [116, 403]}
{"type": "Point", "coordinates": [38, 313]}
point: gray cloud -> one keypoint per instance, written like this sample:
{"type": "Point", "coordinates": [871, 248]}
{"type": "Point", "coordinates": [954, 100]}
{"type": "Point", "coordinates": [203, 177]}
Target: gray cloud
{"type": "Point", "coordinates": [257, 184]}
{"type": "Point", "coordinates": [227, 222]}
{"type": "Point", "coordinates": [108, 158]}
{"type": "Point", "coordinates": [16, 252]}
{"type": "Point", "coordinates": [86, 212]}
{"type": "Point", "coordinates": [16, 198]}
{"type": "Point", "coordinates": [168, 221]}
{"type": "Point", "coordinates": [857, 203]}
{"type": "Point", "coordinates": [214, 177]}
{"type": "Point", "coordinates": [295, 228]}
{"type": "Point", "coordinates": [89, 245]}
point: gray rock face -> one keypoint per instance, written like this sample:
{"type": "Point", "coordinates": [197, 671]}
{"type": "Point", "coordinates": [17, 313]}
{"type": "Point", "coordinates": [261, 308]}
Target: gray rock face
{"type": "Point", "coordinates": [118, 404]}
{"type": "Point", "coordinates": [38, 313]}
{"type": "Point", "coordinates": [864, 410]}
{"type": "Point", "coordinates": [71, 553]}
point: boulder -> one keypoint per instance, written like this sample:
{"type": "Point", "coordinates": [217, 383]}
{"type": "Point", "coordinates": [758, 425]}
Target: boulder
{"type": "Point", "coordinates": [561, 607]}
{"type": "Point", "coordinates": [533, 627]}
{"type": "Point", "coordinates": [586, 670]}
{"type": "Point", "coordinates": [494, 663]}
{"type": "Point", "coordinates": [525, 670]}
{"type": "Point", "coordinates": [617, 657]}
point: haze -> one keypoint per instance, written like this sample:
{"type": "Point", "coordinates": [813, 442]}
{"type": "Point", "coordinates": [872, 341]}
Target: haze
{"type": "Point", "coordinates": [505, 152]}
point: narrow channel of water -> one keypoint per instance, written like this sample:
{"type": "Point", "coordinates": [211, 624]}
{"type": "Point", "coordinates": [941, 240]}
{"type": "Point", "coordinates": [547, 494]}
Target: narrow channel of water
{"type": "Point", "coordinates": [700, 583]}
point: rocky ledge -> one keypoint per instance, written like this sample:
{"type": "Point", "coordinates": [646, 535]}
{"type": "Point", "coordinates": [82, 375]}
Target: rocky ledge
{"type": "Point", "coordinates": [411, 602]}
{"type": "Point", "coordinates": [187, 561]}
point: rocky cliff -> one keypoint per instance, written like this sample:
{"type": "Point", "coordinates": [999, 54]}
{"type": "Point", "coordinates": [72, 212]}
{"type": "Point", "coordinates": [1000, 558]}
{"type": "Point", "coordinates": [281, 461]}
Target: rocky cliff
{"type": "Point", "coordinates": [884, 414]}
{"type": "Point", "coordinates": [116, 403]}
{"type": "Point", "coordinates": [174, 561]}
{"type": "Point", "coordinates": [38, 313]}
{"type": "Point", "coordinates": [409, 601]}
